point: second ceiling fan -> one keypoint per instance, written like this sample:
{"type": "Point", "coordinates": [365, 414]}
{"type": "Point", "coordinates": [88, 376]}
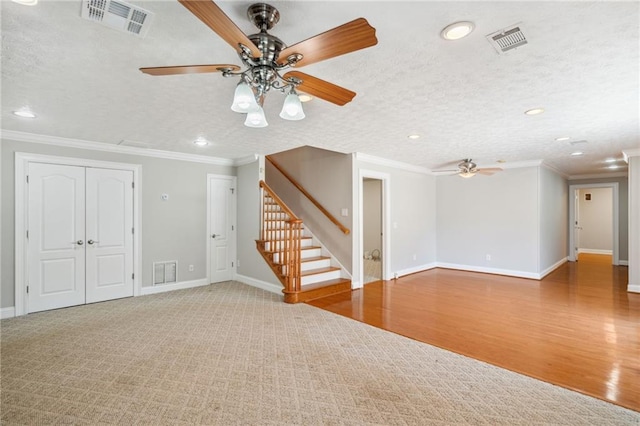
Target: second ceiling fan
{"type": "Point", "coordinates": [265, 57]}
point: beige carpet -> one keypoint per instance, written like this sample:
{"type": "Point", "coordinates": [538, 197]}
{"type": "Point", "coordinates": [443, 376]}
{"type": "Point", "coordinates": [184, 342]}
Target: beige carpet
{"type": "Point", "coordinates": [232, 354]}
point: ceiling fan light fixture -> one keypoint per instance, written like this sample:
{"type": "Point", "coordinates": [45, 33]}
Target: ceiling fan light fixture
{"type": "Point", "coordinates": [304, 97]}
{"type": "Point", "coordinates": [256, 118]}
{"type": "Point", "coordinates": [201, 141]}
{"type": "Point", "coordinates": [457, 30]}
{"type": "Point", "coordinates": [467, 174]}
{"type": "Point", "coordinates": [243, 98]}
{"type": "Point", "coordinates": [292, 107]}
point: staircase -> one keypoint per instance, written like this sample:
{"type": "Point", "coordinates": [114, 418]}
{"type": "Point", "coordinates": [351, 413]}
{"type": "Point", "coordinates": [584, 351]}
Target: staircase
{"type": "Point", "coordinates": [303, 267]}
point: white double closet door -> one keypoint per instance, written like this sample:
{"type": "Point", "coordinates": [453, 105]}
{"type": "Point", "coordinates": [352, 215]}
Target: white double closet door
{"type": "Point", "coordinates": [80, 241]}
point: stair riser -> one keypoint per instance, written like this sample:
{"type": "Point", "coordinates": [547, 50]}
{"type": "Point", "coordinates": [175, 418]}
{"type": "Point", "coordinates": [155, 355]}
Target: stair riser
{"type": "Point", "coordinates": [325, 276]}
{"type": "Point", "coordinates": [305, 254]}
{"type": "Point", "coordinates": [278, 245]}
{"type": "Point", "coordinates": [316, 264]}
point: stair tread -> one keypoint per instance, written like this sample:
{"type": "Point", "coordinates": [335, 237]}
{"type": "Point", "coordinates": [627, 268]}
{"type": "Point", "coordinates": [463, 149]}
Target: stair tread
{"type": "Point", "coordinates": [281, 239]}
{"type": "Point", "coordinates": [319, 271]}
{"type": "Point", "coordinates": [314, 259]}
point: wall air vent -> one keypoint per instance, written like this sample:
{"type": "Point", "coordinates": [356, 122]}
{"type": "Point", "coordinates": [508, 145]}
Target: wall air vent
{"type": "Point", "coordinates": [165, 272]}
{"type": "Point", "coordinates": [118, 15]}
{"type": "Point", "coordinates": [507, 39]}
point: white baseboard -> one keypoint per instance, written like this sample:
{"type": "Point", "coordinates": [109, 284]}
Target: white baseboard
{"type": "Point", "coordinates": [595, 251]}
{"type": "Point", "coordinates": [415, 269]}
{"type": "Point", "coordinates": [553, 267]}
{"type": "Point", "coordinates": [273, 288]}
{"type": "Point", "coordinates": [7, 312]}
{"type": "Point", "coordinates": [508, 272]}
{"type": "Point", "coordinates": [633, 288]}
{"type": "Point", "coordinates": [171, 287]}
{"type": "Point", "coordinates": [623, 262]}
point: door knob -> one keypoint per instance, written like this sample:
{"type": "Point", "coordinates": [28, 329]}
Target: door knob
{"type": "Point", "coordinates": [79, 242]}
{"type": "Point", "coordinates": [92, 242]}
{"type": "Point", "coordinates": [213, 235]}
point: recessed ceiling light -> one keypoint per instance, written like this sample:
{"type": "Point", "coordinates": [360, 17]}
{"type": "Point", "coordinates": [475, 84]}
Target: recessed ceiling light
{"type": "Point", "coordinates": [613, 166]}
{"type": "Point", "coordinates": [304, 97]}
{"type": "Point", "coordinates": [534, 111]}
{"type": "Point", "coordinates": [24, 113]}
{"type": "Point", "coordinates": [610, 160]}
{"type": "Point", "coordinates": [577, 153]}
{"type": "Point", "coordinates": [201, 141]}
{"type": "Point", "coordinates": [562, 138]}
{"type": "Point", "coordinates": [26, 2]}
{"type": "Point", "coordinates": [457, 30]}
{"type": "Point", "coordinates": [414, 136]}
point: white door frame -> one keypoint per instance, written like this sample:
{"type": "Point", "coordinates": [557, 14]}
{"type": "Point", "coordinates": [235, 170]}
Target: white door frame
{"type": "Point", "coordinates": [233, 239]}
{"type": "Point", "coordinates": [386, 228]}
{"type": "Point", "coordinates": [615, 220]}
{"type": "Point", "coordinates": [22, 161]}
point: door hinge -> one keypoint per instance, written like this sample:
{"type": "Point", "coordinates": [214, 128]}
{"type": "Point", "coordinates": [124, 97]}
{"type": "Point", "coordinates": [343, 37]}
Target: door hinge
{"type": "Point", "coordinates": [232, 189]}
{"type": "Point", "coordinates": [27, 289]}
{"type": "Point", "coordinates": [27, 234]}
{"type": "Point", "coordinates": [232, 264]}
{"type": "Point", "coordinates": [232, 228]}
{"type": "Point", "coordinates": [27, 178]}
{"type": "Point", "coordinates": [132, 230]}
{"type": "Point", "coordinates": [133, 185]}
{"type": "Point", "coordinates": [133, 276]}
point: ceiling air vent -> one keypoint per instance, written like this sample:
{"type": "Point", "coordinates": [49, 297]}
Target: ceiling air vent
{"type": "Point", "coordinates": [507, 39]}
{"type": "Point", "coordinates": [118, 15]}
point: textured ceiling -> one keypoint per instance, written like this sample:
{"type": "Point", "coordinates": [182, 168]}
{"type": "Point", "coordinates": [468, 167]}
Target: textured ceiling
{"type": "Point", "coordinates": [582, 65]}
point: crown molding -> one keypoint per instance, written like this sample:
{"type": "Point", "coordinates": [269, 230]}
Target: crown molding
{"type": "Point", "coordinates": [628, 153]}
{"type": "Point", "coordinates": [599, 175]}
{"type": "Point", "coordinates": [106, 147]}
{"type": "Point", "coordinates": [554, 169]}
{"type": "Point", "coordinates": [390, 163]}
{"type": "Point", "coordinates": [520, 164]}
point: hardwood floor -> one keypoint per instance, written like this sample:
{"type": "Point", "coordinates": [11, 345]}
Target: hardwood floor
{"type": "Point", "coordinates": [577, 328]}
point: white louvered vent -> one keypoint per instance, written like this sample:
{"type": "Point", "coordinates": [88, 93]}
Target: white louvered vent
{"type": "Point", "coordinates": [507, 39]}
{"type": "Point", "coordinates": [118, 15]}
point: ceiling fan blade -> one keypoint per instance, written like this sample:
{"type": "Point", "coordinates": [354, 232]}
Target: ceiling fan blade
{"type": "Point", "coordinates": [489, 171]}
{"type": "Point", "coordinates": [209, 13]}
{"type": "Point", "coordinates": [189, 69]}
{"type": "Point", "coordinates": [321, 89]}
{"type": "Point", "coordinates": [352, 36]}
{"type": "Point", "coordinates": [446, 171]}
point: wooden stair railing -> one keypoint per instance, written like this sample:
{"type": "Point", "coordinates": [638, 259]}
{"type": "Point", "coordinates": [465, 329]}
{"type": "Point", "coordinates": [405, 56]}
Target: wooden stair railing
{"type": "Point", "coordinates": [315, 202]}
{"type": "Point", "coordinates": [280, 243]}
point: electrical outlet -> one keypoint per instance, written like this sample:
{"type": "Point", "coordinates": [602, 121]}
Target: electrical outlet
{"type": "Point", "coordinates": [414, 257]}
{"type": "Point", "coordinates": [191, 268]}
{"type": "Point", "coordinates": [488, 257]}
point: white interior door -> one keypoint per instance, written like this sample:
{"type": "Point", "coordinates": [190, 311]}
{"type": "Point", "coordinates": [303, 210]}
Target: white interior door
{"type": "Point", "coordinates": [576, 227]}
{"type": "Point", "coordinates": [109, 245]}
{"type": "Point", "coordinates": [221, 228]}
{"type": "Point", "coordinates": [56, 225]}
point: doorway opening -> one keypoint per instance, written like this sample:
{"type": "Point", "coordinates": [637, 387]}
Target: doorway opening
{"type": "Point", "coordinates": [593, 220]}
{"type": "Point", "coordinates": [373, 241]}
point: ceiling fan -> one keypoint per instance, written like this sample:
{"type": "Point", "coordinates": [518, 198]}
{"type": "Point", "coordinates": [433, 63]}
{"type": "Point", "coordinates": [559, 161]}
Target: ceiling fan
{"type": "Point", "coordinates": [467, 168]}
{"type": "Point", "coordinates": [265, 57]}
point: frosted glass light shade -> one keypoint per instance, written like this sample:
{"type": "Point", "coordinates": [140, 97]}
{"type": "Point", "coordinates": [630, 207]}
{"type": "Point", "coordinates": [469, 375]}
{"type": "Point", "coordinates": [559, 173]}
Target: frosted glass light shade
{"type": "Point", "coordinates": [467, 174]}
{"type": "Point", "coordinates": [256, 118]}
{"type": "Point", "coordinates": [243, 98]}
{"type": "Point", "coordinates": [292, 108]}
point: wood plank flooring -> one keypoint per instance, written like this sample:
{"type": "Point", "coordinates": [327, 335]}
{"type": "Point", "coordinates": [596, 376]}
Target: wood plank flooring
{"type": "Point", "coordinates": [577, 328]}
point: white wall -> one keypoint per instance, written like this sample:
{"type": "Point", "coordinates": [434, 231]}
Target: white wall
{"type": "Point", "coordinates": [634, 223]}
{"type": "Point", "coordinates": [171, 230]}
{"type": "Point", "coordinates": [595, 217]}
{"type": "Point", "coordinates": [554, 219]}
{"type": "Point", "coordinates": [372, 215]}
{"type": "Point", "coordinates": [250, 263]}
{"type": "Point", "coordinates": [412, 234]}
{"type": "Point", "coordinates": [490, 215]}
